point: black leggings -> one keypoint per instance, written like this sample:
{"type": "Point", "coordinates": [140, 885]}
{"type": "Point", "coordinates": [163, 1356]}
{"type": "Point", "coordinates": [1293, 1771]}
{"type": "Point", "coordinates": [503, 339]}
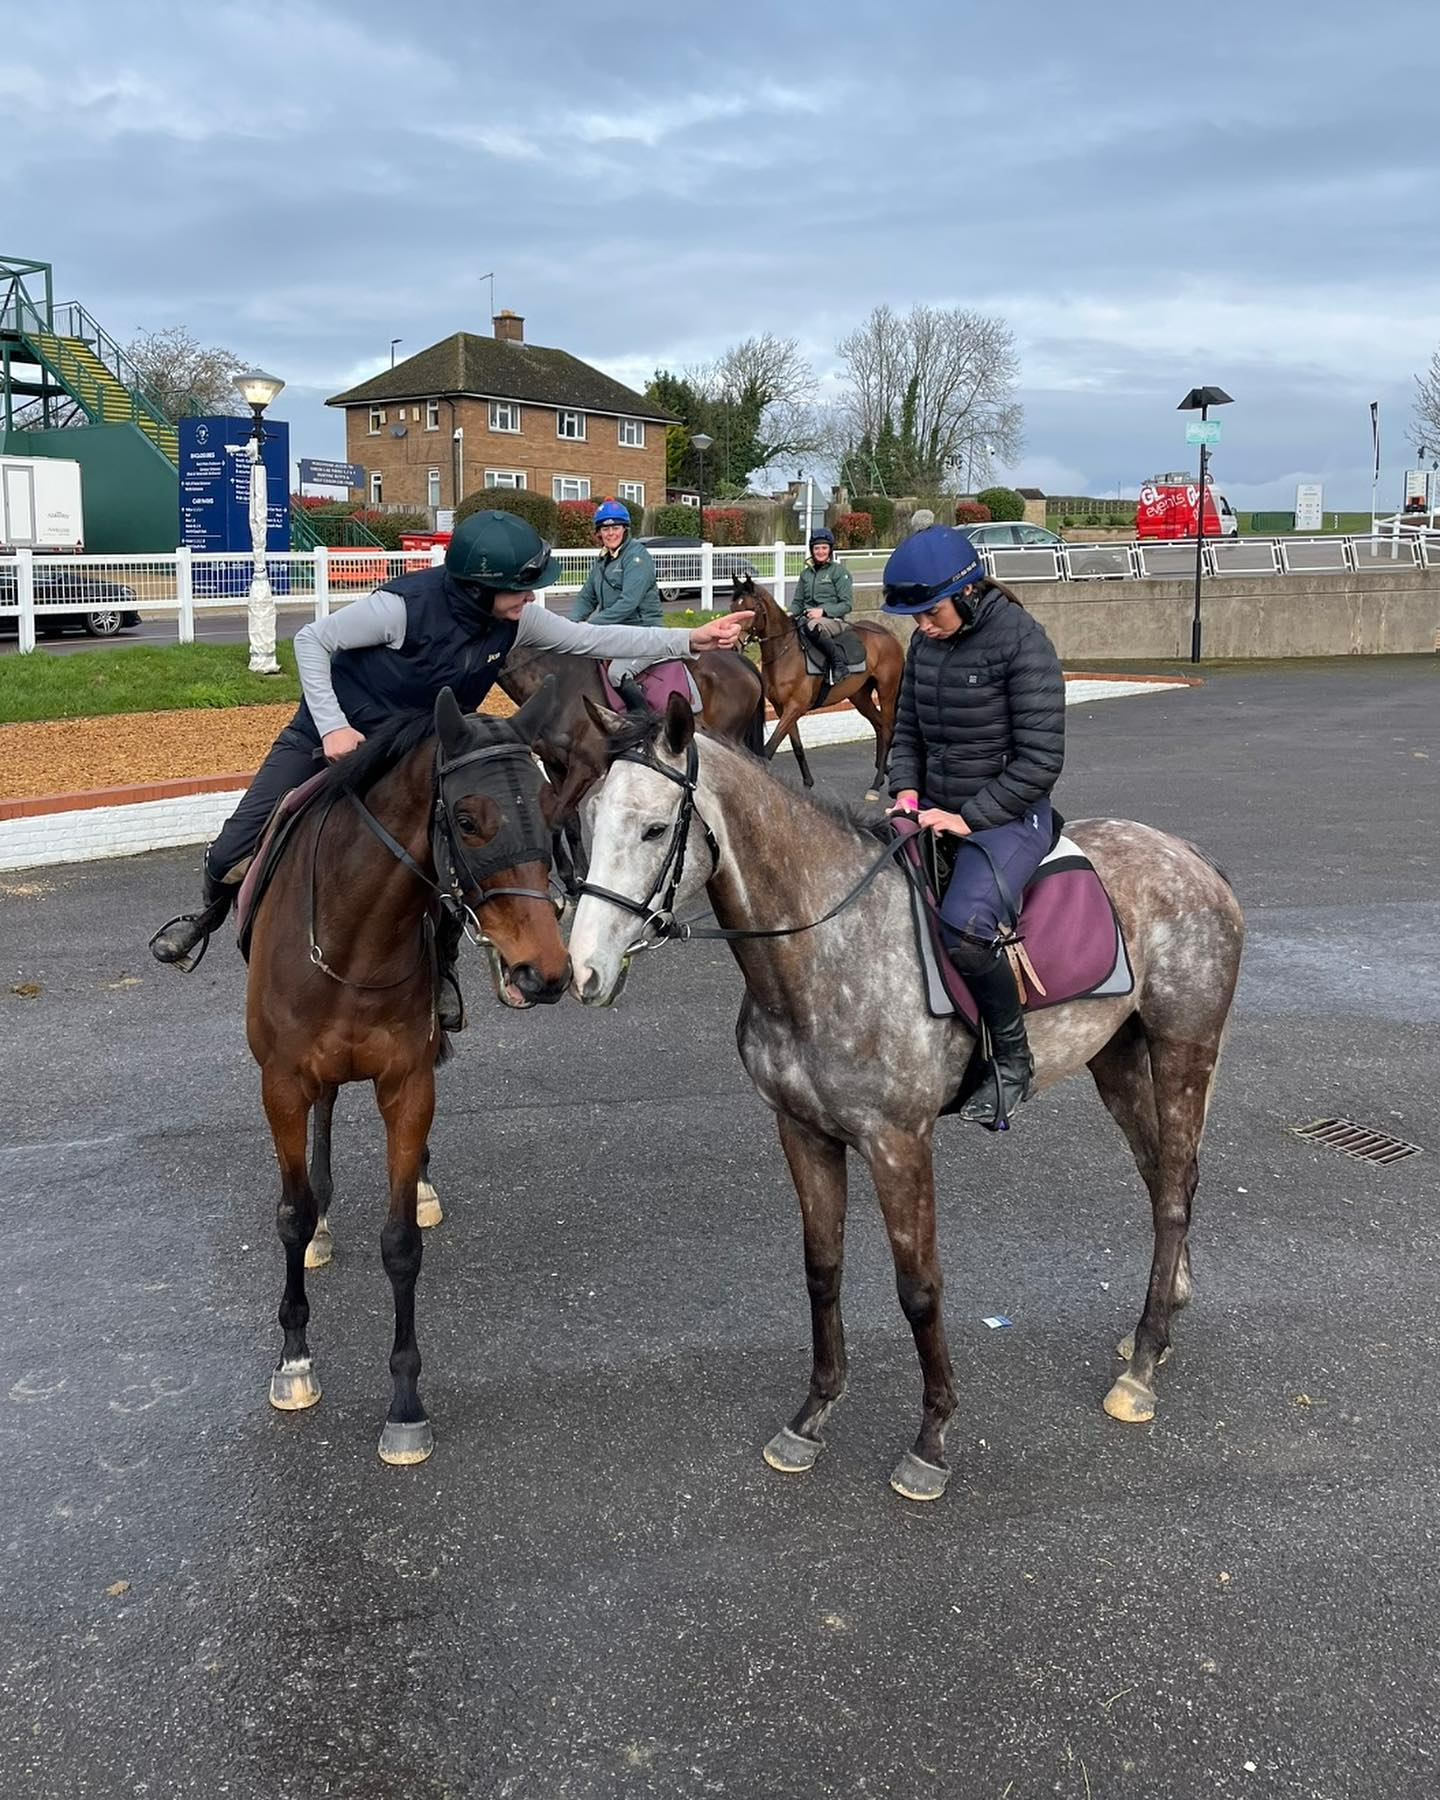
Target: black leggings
{"type": "Point", "coordinates": [294, 757]}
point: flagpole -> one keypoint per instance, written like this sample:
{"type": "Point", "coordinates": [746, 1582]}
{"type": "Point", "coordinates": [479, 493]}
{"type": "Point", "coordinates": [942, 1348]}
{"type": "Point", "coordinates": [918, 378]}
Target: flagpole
{"type": "Point", "coordinates": [1375, 475]}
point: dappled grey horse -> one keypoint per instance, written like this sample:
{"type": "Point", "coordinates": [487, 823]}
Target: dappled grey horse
{"type": "Point", "coordinates": [835, 1033]}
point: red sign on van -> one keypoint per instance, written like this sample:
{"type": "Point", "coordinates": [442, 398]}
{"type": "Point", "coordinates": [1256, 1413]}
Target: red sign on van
{"type": "Point", "coordinates": [1168, 511]}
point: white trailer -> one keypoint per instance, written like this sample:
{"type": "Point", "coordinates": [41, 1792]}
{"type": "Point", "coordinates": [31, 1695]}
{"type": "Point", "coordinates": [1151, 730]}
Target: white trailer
{"type": "Point", "coordinates": [40, 504]}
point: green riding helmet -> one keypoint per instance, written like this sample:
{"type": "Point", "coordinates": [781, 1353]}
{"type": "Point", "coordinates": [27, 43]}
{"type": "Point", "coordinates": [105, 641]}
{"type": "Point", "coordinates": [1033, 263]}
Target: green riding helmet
{"type": "Point", "coordinates": [500, 551]}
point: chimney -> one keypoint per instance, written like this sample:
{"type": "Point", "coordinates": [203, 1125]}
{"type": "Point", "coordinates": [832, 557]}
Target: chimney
{"type": "Point", "coordinates": [509, 327]}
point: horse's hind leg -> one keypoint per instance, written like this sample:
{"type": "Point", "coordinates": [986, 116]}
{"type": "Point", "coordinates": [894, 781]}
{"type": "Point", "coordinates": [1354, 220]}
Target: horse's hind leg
{"type": "Point", "coordinates": [407, 1103]}
{"type": "Point", "coordinates": [903, 1169]}
{"type": "Point", "coordinates": [1158, 1089]}
{"type": "Point", "coordinates": [864, 704]}
{"type": "Point", "coordinates": [428, 1210]}
{"type": "Point", "coordinates": [817, 1167]}
{"type": "Point", "coordinates": [293, 1386]}
{"type": "Point", "coordinates": [321, 1247]}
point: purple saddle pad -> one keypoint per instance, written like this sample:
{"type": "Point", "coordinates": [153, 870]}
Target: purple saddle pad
{"type": "Point", "coordinates": [267, 854]}
{"type": "Point", "coordinates": [1068, 927]}
{"type": "Point", "coordinates": [657, 684]}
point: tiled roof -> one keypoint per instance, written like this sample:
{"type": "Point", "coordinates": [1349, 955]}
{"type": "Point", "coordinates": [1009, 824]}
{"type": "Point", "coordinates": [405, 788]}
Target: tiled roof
{"type": "Point", "coordinates": [486, 367]}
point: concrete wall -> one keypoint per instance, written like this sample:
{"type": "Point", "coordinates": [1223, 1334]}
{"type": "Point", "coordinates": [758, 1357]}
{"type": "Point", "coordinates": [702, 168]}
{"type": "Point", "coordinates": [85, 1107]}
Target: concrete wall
{"type": "Point", "coordinates": [1365, 614]}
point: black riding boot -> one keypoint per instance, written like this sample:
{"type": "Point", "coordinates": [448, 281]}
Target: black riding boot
{"type": "Point", "coordinates": [175, 941]}
{"type": "Point", "coordinates": [991, 980]}
{"type": "Point", "coordinates": [631, 692]}
{"type": "Point", "coordinates": [838, 663]}
{"type": "Point", "coordinates": [449, 1002]}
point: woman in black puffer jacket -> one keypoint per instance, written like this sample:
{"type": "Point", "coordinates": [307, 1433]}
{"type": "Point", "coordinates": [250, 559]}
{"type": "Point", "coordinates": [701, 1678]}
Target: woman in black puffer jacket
{"type": "Point", "coordinates": [979, 743]}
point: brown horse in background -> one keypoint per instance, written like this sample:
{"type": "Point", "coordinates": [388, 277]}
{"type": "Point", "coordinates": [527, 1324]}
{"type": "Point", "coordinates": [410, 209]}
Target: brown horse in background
{"type": "Point", "coordinates": [451, 812]}
{"type": "Point", "coordinates": [793, 691]}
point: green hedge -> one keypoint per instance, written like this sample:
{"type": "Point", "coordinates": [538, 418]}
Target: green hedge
{"type": "Point", "coordinates": [539, 509]}
{"type": "Point", "coordinates": [1003, 502]}
{"type": "Point", "coordinates": [676, 520]}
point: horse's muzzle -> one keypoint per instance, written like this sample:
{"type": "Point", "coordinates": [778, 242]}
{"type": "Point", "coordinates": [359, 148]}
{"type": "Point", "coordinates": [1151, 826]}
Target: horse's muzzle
{"type": "Point", "coordinates": [534, 988]}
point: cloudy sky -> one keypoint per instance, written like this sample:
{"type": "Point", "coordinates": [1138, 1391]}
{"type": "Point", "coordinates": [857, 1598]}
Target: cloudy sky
{"type": "Point", "coordinates": [1152, 195]}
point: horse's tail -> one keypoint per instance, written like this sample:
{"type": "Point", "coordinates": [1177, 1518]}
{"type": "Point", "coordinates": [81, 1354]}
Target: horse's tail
{"type": "Point", "coordinates": [1210, 863]}
{"type": "Point", "coordinates": [755, 727]}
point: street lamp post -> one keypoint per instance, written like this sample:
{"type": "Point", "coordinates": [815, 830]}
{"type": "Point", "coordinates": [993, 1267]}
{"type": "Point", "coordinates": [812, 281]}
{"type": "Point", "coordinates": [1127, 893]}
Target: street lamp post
{"type": "Point", "coordinates": [1201, 400]}
{"type": "Point", "coordinates": [702, 442]}
{"type": "Point", "coordinates": [257, 390]}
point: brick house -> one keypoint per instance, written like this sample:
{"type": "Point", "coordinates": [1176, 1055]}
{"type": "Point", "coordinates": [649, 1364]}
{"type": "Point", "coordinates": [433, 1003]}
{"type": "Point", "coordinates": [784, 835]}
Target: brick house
{"type": "Point", "coordinates": [473, 412]}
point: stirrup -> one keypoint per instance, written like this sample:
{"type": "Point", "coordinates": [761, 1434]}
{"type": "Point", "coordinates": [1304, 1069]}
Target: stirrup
{"type": "Point", "coordinates": [450, 1003]}
{"type": "Point", "coordinates": [986, 1106]}
{"type": "Point", "coordinates": [187, 960]}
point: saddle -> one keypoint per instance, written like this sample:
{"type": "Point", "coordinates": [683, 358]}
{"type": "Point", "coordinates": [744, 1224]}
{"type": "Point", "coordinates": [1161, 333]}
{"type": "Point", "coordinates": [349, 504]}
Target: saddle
{"type": "Point", "coordinates": [657, 684]}
{"type": "Point", "coordinates": [288, 812]}
{"type": "Point", "coordinates": [849, 642]}
{"type": "Point", "coordinates": [1066, 943]}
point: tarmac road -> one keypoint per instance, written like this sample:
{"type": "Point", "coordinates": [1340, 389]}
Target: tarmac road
{"type": "Point", "coordinates": [596, 1587]}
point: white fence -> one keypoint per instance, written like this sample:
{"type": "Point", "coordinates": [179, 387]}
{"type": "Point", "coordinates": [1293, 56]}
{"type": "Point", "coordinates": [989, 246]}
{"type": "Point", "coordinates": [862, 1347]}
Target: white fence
{"type": "Point", "coordinates": [107, 592]}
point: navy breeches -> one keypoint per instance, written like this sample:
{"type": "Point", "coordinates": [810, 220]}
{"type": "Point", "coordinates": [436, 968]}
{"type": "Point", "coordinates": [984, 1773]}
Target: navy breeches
{"type": "Point", "coordinates": [294, 757]}
{"type": "Point", "coordinates": [973, 904]}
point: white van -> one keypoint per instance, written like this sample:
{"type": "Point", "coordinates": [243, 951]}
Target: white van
{"type": "Point", "coordinates": [40, 504]}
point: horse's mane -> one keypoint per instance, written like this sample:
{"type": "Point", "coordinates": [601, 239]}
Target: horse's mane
{"type": "Point", "coordinates": [381, 751]}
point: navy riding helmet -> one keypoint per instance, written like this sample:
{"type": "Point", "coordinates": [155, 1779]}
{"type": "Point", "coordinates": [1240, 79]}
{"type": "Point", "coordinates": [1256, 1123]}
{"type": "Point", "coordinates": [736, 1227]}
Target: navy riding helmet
{"type": "Point", "coordinates": [932, 565]}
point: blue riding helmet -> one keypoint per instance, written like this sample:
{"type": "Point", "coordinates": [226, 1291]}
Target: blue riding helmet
{"type": "Point", "coordinates": [611, 512]}
{"type": "Point", "coordinates": [822, 534]}
{"type": "Point", "coordinates": [931, 566]}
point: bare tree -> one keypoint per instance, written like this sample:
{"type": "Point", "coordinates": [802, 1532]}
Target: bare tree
{"type": "Point", "coordinates": [1427, 406]}
{"type": "Point", "coordinates": [930, 391]}
{"type": "Point", "coordinates": [768, 379]}
{"type": "Point", "coordinates": [182, 375]}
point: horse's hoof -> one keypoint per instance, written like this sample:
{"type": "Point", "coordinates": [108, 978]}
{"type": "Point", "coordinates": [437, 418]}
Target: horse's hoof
{"type": "Point", "coordinates": [294, 1388]}
{"type": "Point", "coordinates": [1130, 1401]}
{"type": "Point", "coordinates": [792, 1454]}
{"type": "Point", "coordinates": [916, 1479]}
{"type": "Point", "coordinates": [403, 1444]}
{"type": "Point", "coordinates": [428, 1211]}
{"type": "Point", "coordinates": [320, 1249]}
{"type": "Point", "coordinates": [1125, 1349]}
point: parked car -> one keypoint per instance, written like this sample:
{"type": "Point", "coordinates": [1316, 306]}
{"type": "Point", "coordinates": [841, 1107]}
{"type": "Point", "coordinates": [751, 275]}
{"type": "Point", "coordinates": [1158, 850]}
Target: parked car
{"type": "Point", "coordinates": [1093, 563]}
{"type": "Point", "coordinates": [102, 607]}
{"type": "Point", "coordinates": [679, 575]}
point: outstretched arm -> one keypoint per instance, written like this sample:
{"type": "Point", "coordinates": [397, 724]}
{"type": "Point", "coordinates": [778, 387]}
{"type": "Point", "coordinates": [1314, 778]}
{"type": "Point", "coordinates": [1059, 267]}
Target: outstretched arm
{"type": "Point", "coordinates": [544, 630]}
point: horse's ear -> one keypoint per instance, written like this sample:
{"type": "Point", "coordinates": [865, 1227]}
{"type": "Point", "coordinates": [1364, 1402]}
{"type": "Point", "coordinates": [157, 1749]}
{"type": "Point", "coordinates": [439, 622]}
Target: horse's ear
{"type": "Point", "coordinates": [679, 724]}
{"type": "Point", "coordinates": [602, 718]}
{"type": "Point", "coordinates": [449, 720]}
{"type": "Point", "coordinates": [536, 713]}
{"type": "Point", "coordinates": [743, 584]}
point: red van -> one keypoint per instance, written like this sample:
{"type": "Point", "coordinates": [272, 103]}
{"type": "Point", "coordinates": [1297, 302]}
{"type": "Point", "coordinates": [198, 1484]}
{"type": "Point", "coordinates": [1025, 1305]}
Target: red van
{"type": "Point", "coordinates": [1167, 509]}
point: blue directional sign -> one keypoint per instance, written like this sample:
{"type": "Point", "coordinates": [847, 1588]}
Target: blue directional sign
{"type": "Point", "coordinates": [315, 471]}
{"type": "Point", "coordinates": [215, 496]}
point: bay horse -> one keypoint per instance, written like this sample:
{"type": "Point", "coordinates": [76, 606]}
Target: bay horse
{"type": "Point", "coordinates": [792, 690]}
{"type": "Point", "coordinates": [450, 811]}
{"type": "Point", "coordinates": [575, 750]}
{"type": "Point", "coordinates": [873, 1074]}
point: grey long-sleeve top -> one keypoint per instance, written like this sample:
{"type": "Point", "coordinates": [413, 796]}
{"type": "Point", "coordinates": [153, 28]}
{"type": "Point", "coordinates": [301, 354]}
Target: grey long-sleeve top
{"type": "Point", "coordinates": [380, 618]}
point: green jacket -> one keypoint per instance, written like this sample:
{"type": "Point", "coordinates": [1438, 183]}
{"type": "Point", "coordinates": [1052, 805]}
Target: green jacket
{"type": "Point", "coordinates": [828, 587]}
{"type": "Point", "coordinates": [621, 589]}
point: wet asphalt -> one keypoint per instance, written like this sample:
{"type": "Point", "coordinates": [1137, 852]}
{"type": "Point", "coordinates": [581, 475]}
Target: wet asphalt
{"type": "Point", "coordinates": [596, 1587]}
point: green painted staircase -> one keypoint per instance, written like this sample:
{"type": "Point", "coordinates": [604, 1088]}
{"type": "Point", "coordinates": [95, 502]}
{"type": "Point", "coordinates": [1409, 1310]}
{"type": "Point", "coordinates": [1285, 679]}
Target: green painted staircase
{"type": "Point", "coordinates": [103, 395]}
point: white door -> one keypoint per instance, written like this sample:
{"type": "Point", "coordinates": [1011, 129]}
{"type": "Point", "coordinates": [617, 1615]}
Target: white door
{"type": "Point", "coordinates": [18, 511]}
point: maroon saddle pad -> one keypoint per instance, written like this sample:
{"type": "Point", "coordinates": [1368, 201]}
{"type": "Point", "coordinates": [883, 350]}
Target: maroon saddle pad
{"type": "Point", "coordinates": [1068, 928]}
{"type": "Point", "coordinates": [657, 684]}
{"type": "Point", "coordinates": [267, 854]}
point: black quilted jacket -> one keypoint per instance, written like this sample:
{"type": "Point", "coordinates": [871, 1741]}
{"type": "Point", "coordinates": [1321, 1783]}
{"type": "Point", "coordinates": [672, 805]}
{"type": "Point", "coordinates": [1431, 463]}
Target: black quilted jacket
{"type": "Point", "coordinates": [980, 726]}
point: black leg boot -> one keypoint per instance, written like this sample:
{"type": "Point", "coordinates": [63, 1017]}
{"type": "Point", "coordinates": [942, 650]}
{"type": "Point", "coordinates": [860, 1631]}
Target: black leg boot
{"type": "Point", "coordinates": [839, 663]}
{"type": "Point", "coordinates": [182, 942]}
{"type": "Point", "coordinates": [631, 692]}
{"type": "Point", "coordinates": [990, 979]}
{"type": "Point", "coordinates": [449, 1002]}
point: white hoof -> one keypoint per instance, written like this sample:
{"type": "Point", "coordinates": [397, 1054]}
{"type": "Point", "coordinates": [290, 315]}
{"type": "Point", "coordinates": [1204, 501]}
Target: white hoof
{"type": "Point", "coordinates": [428, 1211]}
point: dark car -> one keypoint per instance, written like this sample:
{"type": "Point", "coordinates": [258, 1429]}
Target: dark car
{"type": "Point", "coordinates": [1094, 562]}
{"type": "Point", "coordinates": [101, 607]}
{"type": "Point", "coordinates": [678, 574]}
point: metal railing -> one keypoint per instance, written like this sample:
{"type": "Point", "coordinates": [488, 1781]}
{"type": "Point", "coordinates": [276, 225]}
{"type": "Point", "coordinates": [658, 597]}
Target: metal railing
{"type": "Point", "coordinates": [183, 585]}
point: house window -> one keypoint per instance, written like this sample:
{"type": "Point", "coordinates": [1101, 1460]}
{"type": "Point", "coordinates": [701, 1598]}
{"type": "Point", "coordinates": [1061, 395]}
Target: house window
{"type": "Point", "coordinates": [377, 419]}
{"type": "Point", "coordinates": [377, 492]}
{"type": "Point", "coordinates": [570, 487]}
{"type": "Point", "coordinates": [432, 415]}
{"type": "Point", "coordinates": [511, 478]}
{"type": "Point", "coordinates": [633, 493]}
{"type": "Point", "coordinates": [504, 415]}
{"type": "Point", "coordinates": [432, 488]}
{"type": "Point", "coordinates": [570, 425]}
{"type": "Point", "coordinates": [632, 434]}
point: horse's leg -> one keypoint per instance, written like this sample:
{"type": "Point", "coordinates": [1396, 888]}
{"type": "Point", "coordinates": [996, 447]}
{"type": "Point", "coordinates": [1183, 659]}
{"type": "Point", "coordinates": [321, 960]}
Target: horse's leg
{"type": "Point", "coordinates": [863, 700]}
{"type": "Point", "coordinates": [801, 760]}
{"type": "Point", "coordinates": [784, 727]}
{"type": "Point", "coordinates": [904, 1172]}
{"type": "Point", "coordinates": [1181, 1073]}
{"type": "Point", "coordinates": [817, 1167]}
{"type": "Point", "coordinates": [322, 1246]}
{"type": "Point", "coordinates": [407, 1104]}
{"type": "Point", "coordinates": [428, 1211]}
{"type": "Point", "coordinates": [293, 1386]}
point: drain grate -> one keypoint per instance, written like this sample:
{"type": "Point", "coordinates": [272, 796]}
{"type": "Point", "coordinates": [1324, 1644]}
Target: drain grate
{"type": "Point", "coordinates": [1355, 1140]}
